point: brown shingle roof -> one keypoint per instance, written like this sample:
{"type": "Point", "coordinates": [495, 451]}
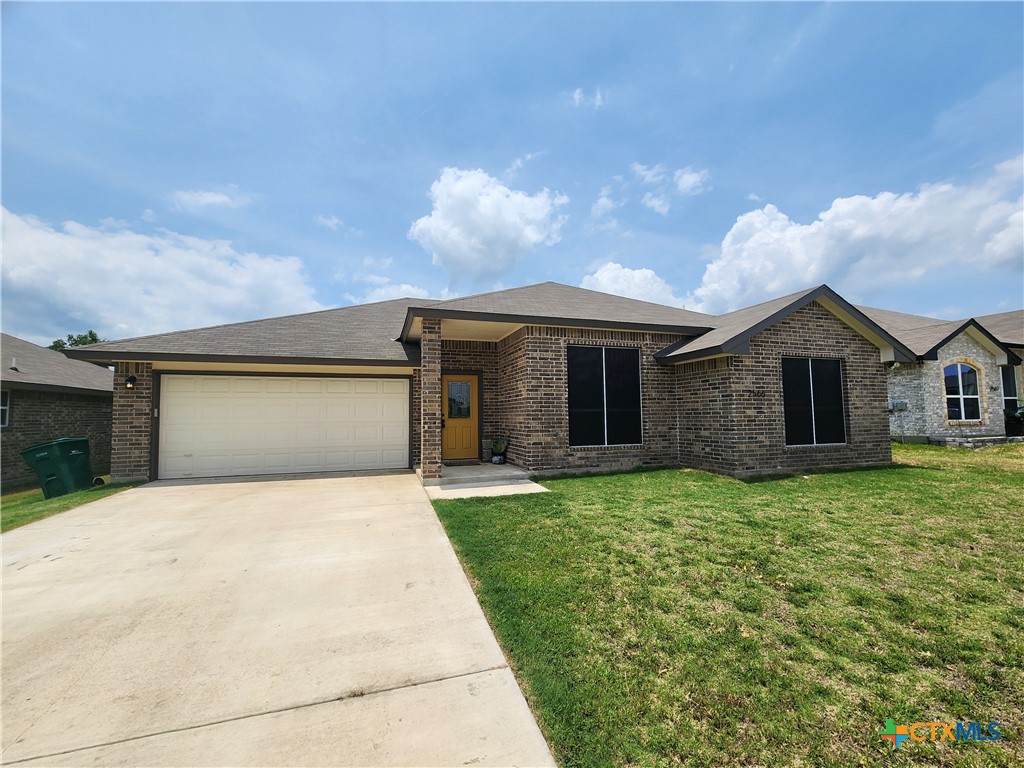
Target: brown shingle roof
{"type": "Point", "coordinates": [363, 333]}
{"type": "Point", "coordinates": [550, 303]}
{"type": "Point", "coordinates": [924, 334]}
{"type": "Point", "coordinates": [734, 330]}
{"type": "Point", "coordinates": [1008, 327]}
{"type": "Point", "coordinates": [40, 368]}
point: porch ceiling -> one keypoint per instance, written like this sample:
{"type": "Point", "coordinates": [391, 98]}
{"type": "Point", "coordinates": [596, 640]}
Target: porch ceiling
{"type": "Point", "coordinates": [467, 330]}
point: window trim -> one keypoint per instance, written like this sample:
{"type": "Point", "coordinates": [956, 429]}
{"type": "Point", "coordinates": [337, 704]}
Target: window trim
{"type": "Point", "coordinates": [5, 407]}
{"type": "Point", "coordinates": [814, 426]}
{"type": "Point", "coordinates": [960, 396]}
{"type": "Point", "coordinates": [604, 396]}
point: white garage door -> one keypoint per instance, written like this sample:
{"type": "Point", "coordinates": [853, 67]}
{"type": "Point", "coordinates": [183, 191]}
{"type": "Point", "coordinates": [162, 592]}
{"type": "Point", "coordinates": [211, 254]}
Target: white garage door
{"type": "Point", "coordinates": [214, 426]}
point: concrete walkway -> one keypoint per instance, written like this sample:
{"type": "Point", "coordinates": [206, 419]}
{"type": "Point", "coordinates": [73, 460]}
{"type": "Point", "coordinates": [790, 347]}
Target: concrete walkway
{"type": "Point", "coordinates": [322, 621]}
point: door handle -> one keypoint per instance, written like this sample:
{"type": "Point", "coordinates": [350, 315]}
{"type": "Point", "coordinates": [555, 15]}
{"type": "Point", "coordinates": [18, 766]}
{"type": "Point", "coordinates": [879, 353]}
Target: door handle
{"type": "Point", "coordinates": [443, 423]}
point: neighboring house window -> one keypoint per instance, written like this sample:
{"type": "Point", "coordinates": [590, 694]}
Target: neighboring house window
{"type": "Point", "coordinates": [1009, 387]}
{"type": "Point", "coordinates": [812, 399]}
{"type": "Point", "coordinates": [604, 396]}
{"type": "Point", "coordinates": [5, 408]}
{"type": "Point", "coordinates": [962, 400]}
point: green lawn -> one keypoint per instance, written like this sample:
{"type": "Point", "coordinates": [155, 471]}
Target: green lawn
{"type": "Point", "coordinates": [679, 617]}
{"type": "Point", "coordinates": [21, 507]}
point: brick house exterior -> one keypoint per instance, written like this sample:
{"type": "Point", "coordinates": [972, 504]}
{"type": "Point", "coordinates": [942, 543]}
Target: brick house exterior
{"type": "Point", "coordinates": [50, 397]}
{"type": "Point", "coordinates": [710, 389]}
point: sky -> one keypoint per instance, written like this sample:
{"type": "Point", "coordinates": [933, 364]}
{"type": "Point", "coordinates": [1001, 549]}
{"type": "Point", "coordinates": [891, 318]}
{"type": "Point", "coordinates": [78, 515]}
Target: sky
{"type": "Point", "coordinates": [176, 165]}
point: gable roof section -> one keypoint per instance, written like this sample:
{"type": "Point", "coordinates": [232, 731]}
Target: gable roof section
{"type": "Point", "coordinates": [363, 334]}
{"type": "Point", "coordinates": [1008, 327]}
{"type": "Point", "coordinates": [563, 305]}
{"type": "Point", "coordinates": [43, 369]}
{"type": "Point", "coordinates": [734, 330]}
{"type": "Point", "coordinates": [925, 336]}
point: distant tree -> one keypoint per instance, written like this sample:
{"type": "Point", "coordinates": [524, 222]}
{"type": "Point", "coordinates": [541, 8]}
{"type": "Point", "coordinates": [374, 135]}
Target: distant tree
{"type": "Point", "coordinates": [79, 340]}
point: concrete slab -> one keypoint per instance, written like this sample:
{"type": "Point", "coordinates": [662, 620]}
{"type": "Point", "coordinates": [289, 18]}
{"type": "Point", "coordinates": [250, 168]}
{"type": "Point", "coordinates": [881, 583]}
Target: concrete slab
{"type": "Point", "coordinates": [173, 606]}
{"type": "Point", "coordinates": [474, 490]}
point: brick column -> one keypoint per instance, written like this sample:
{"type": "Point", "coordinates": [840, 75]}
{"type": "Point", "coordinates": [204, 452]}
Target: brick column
{"type": "Point", "coordinates": [132, 423]}
{"type": "Point", "coordinates": [430, 398]}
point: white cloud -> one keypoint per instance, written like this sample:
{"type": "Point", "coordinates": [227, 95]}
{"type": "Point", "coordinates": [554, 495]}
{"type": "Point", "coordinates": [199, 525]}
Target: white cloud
{"type": "Point", "coordinates": [684, 181]}
{"type": "Point", "coordinates": [863, 243]}
{"type": "Point", "coordinates": [690, 181]}
{"type": "Point", "coordinates": [604, 203]}
{"type": "Point", "coordinates": [196, 200]}
{"type": "Point", "coordinates": [648, 174]}
{"type": "Point", "coordinates": [754, 197]}
{"type": "Point", "coordinates": [580, 99]}
{"type": "Point", "coordinates": [386, 291]}
{"type": "Point", "coordinates": [657, 203]}
{"type": "Point", "coordinates": [123, 283]}
{"type": "Point", "coordinates": [374, 263]}
{"type": "Point", "coordinates": [517, 165]}
{"type": "Point", "coordinates": [331, 222]}
{"type": "Point", "coordinates": [479, 227]}
{"type": "Point", "coordinates": [148, 215]}
{"type": "Point", "coordinates": [643, 284]}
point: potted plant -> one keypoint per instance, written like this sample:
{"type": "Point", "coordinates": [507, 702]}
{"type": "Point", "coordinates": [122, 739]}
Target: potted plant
{"type": "Point", "coordinates": [499, 447]}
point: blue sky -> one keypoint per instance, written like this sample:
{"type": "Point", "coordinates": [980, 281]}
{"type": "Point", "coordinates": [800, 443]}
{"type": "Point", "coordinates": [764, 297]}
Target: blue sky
{"type": "Point", "coordinates": [167, 166]}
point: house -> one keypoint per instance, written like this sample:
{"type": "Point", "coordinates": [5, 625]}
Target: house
{"type": "Point", "coordinates": [577, 379]}
{"type": "Point", "coordinates": [45, 396]}
{"type": "Point", "coordinates": [964, 378]}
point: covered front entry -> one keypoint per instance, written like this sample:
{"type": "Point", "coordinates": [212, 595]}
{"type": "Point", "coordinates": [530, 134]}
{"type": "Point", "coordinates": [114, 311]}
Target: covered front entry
{"type": "Point", "coordinates": [460, 422]}
{"type": "Point", "coordinates": [219, 425]}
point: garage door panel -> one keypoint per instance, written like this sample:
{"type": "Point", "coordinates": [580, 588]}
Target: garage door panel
{"type": "Point", "coordinates": [309, 412]}
{"type": "Point", "coordinates": [214, 384]}
{"type": "Point", "coordinates": [234, 425]}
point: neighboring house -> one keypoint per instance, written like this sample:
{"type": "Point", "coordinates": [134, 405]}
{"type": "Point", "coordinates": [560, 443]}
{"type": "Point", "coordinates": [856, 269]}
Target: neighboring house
{"type": "Point", "coordinates": [44, 396]}
{"type": "Point", "coordinates": [578, 380]}
{"type": "Point", "coordinates": [1008, 328]}
{"type": "Point", "coordinates": [964, 377]}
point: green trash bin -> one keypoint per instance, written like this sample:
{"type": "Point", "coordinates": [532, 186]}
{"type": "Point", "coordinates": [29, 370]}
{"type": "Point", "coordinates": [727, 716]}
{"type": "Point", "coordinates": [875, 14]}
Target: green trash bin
{"type": "Point", "coordinates": [62, 466]}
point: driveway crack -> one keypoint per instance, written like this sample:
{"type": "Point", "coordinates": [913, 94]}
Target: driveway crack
{"type": "Point", "coordinates": [360, 694]}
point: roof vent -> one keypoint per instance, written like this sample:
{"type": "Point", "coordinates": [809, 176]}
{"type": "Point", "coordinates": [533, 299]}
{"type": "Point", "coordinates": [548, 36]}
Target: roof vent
{"type": "Point", "coordinates": [14, 364]}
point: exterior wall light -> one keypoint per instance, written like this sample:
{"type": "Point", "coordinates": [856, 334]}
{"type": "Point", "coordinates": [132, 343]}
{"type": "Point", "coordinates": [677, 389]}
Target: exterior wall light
{"type": "Point", "coordinates": [129, 383]}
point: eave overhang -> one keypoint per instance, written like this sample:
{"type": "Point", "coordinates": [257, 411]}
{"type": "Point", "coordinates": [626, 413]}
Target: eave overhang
{"type": "Point", "coordinates": [1002, 353]}
{"type": "Point", "coordinates": [415, 313]}
{"type": "Point", "coordinates": [111, 357]}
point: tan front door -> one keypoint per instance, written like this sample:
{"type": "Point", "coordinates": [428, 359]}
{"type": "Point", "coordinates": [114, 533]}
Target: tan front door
{"type": "Point", "coordinates": [460, 430]}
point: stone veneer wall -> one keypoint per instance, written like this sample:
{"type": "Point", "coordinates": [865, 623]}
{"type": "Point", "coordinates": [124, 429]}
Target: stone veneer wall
{"type": "Point", "coordinates": [923, 386]}
{"type": "Point", "coordinates": [133, 423]}
{"type": "Point", "coordinates": [39, 417]}
{"type": "Point", "coordinates": [731, 409]}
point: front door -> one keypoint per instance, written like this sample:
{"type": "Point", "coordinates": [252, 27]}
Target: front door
{"type": "Point", "coordinates": [460, 417]}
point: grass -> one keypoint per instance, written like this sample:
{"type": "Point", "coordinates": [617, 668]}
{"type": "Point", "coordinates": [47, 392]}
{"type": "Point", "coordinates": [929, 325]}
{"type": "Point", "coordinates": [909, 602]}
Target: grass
{"type": "Point", "coordinates": [19, 508]}
{"type": "Point", "coordinates": [677, 617]}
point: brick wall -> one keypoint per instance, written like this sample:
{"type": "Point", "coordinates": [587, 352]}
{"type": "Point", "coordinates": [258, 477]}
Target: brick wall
{"type": "Point", "coordinates": [415, 416]}
{"type": "Point", "coordinates": [477, 357]}
{"type": "Point", "coordinates": [922, 385]}
{"type": "Point", "coordinates": [731, 411]}
{"type": "Point", "coordinates": [538, 411]}
{"type": "Point", "coordinates": [133, 423]}
{"type": "Point", "coordinates": [39, 417]}
{"type": "Point", "coordinates": [430, 398]}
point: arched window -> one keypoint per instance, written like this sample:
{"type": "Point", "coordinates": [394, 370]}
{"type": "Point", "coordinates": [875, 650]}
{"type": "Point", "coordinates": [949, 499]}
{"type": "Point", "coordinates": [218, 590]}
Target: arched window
{"type": "Point", "coordinates": [962, 401]}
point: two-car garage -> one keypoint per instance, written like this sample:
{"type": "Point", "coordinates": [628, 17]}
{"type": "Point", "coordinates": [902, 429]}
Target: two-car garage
{"type": "Point", "coordinates": [221, 425]}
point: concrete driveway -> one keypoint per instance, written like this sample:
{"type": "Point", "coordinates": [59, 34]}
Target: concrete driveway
{"type": "Point", "coordinates": [317, 621]}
